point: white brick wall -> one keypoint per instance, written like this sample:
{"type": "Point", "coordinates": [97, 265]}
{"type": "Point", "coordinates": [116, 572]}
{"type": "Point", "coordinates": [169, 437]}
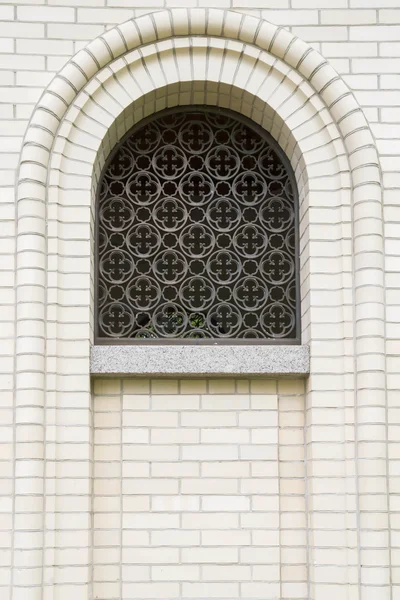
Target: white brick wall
{"type": "Point", "coordinates": [348, 500]}
{"type": "Point", "coordinates": [199, 494]}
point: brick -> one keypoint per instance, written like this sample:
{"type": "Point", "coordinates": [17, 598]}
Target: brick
{"type": "Point", "coordinates": [6, 45]}
{"type": "Point", "coordinates": [209, 555]}
{"type": "Point", "coordinates": [228, 538]}
{"type": "Point", "coordinates": [381, 98]}
{"type": "Point", "coordinates": [178, 573]}
{"type": "Point", "coordinates": [105, 15]}
{"type": "Point", "coordinates": [17, 94]}
{"type": "Point", "coordinates": [57, 47]}
{"type": "Point", "coordinates": [150, 486]}
{"type": "Point", "coordinates": [175, 436]}
{"type": "Point", "coordinates": [226, 573]}
{"type": "Point", "coordinates": [225, 503]}
{"type": "Point", "coordinates": [137, 3]}
{"type": "Point", "coordinates": [225, 436]}
{"type": "Point", "coordinates": [266, 436]}
{"type": "Point", "coordinates": [107, 386]}
{"type": "Point", "coordinates": [362, 82]}
{"type": "Point", "coordinates": [318, 4]}
{"type": "Point", "coordinates": [176, 402]}
{"type": "Point", "coordinates": [209, 452]}
{"type": "Point", "coordinates": [150, 419]}
{"type": "Point", "coordinates": [210, 521]}
{"type": "Point", "coordinates": [132, 468]}
{"type": "Point", "coordinates": [156, 453]}
{"type": "Point", "coordinates": [21, 30]}
{"type": "Point", "coordinates": [389, 49]}
{"type": "Point", "coordinates": [149, 520]}
{"type": "Point", "coordinates": [150, 590]}
{"type": "Point", "coordinates": [242, 386]}
{"type": "Point", "coordinates": [175, 504]}
{"type": "Point", "coordinates": [210, 590]}
{"type": "Point", "coordinates": [349, 49]}
{"type": "Point", "coordinates": [7, 78]}
{"type": "Point", "coordinates": [193, 386]}
{"type": "Point", "coordinates": [133, 537]}
{"type": "Point", "coordinates": [258, 418]}
{"type": "Point", "coordinates": [136, 386]}
{"type": "Point", "coordinates": [77, 3]}
{"type": "Point", "coordinates": [260, 4]}
{"type": "Point", "coordinates": [270, 554]}
{"type": "Point", "coordinates": [264, 402]}
{"type": "Point", "coordinates": [391, 115]}
{"type": "Point", "coordinates": [258, 452]}
{"type": "Point", "coordinates": [260, 590]}
{"type": "Point", "coordinates": [164, 386]}
{"type": "Point", "coordinates": [73, 31]}
{"type": "Point", "coordinates": [209, 486]}
{"type": "Point", "coordinates": [379, 33]}
{"type": "Point", "coordinates": [214, 3]}
{"type": "Point", "coordinates": [45, 13]}
{"type": "Point", "coordinates": [390, 82]}
{"type": "Point", "coordinates": [321, 34]}
{"type": "Point", "coordinates": [291, 387]}
{"type": "Point", "coordinates": [221, 386]}
{"type": "Point", "coordinates": [389, 147]}
{"type": "Point", "coordinates": [208, 419]}
{"type": "Point", "coordinates": [263, 386]}
{"type": "Point", "coordinates": [348, 17]}
{"type": "Point", "coordinates": [341, 65]}
{"type": "Point", "coordinates": [224, 402]}
{"type": "Point", "coordinates": [179, 469]}
{"type": "Point", "coordinates": [6, 13]}
{"type": "Point", "coordinates": [136, 402]}
{"type": "Point", "coordinates": [175, 538]}
{"type": "Point", "coordinates": [225, 469]}
{"type": "Point", "coordinates": [389, 16]}
{"type": "Point", "coordinates": [259, 486]}
{"type": "Point", "coordinates": [373, 3]}
{"type": "Point", "coordinates": [291, 17]}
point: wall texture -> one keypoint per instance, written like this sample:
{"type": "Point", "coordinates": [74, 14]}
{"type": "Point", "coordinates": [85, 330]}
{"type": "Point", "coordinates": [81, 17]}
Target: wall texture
{"type": "Point", "coordinates": [199, 489]}
{"type": "Point", "coordinates": [352, 429]}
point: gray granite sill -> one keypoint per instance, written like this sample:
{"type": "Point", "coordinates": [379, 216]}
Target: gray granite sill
{"type": "Point", "coordinates": [185, 360]}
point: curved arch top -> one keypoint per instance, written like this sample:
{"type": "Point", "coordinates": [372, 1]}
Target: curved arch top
{"type": "Point", "coordinates": [176, 23]}
{"type": "Point", "coordinates": [252, 38]}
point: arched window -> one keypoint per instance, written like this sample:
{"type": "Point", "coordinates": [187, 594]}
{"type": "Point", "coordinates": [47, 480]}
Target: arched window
{"type": "Point", "coordinates": [197, 234]}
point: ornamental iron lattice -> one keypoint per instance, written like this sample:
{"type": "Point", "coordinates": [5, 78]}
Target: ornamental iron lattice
{"type": "Point", "coordinates": [197, 234]}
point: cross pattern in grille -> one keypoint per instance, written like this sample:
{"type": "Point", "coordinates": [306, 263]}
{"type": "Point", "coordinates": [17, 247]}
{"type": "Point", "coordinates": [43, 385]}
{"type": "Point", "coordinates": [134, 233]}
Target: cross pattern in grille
{"type": "Point", "coordinates": [196, 233]}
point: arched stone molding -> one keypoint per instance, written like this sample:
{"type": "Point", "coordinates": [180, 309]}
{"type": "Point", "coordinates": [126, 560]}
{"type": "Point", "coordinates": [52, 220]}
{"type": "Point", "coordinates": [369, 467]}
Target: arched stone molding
{"type": "Point", "coordinates": [318, 141]}
{"type": "Point", "coordinates": [243, 63]}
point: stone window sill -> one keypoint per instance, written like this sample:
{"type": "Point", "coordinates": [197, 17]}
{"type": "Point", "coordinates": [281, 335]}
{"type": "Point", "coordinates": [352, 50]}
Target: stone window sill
{"type": "Point", "coordinates": [185, 360]}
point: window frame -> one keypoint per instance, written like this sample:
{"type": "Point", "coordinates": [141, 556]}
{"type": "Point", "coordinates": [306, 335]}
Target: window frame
{"type": "Point", "coordinates": [109, 341]}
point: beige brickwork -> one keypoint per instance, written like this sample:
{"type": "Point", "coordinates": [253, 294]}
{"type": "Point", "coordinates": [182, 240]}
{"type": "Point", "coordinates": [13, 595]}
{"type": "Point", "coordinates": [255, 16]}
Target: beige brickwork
{"type": "Point", "coordinates": [324, 80]}
{"type": "Point", "coordinates": [200, 493]}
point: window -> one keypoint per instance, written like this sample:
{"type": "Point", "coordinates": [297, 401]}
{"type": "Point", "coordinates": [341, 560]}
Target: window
{"type": "Point", "coordinates": [196, 234]}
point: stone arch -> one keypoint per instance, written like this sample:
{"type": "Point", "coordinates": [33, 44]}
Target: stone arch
{"type": "Point", "coordinates": [290, 136]}
{"type": "Point", "coordinates": [147, 63]}
{"type": "Point", "coordinates": [251, 40]}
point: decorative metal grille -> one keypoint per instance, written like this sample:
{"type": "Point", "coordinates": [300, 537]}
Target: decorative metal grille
{"type": "Point", "coordinates": [196, 233]}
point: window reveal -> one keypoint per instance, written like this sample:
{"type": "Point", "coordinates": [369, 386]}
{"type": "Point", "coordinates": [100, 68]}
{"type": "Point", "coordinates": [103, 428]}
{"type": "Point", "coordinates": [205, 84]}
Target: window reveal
{"type": "Point", "coordinates": [196, 233]}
